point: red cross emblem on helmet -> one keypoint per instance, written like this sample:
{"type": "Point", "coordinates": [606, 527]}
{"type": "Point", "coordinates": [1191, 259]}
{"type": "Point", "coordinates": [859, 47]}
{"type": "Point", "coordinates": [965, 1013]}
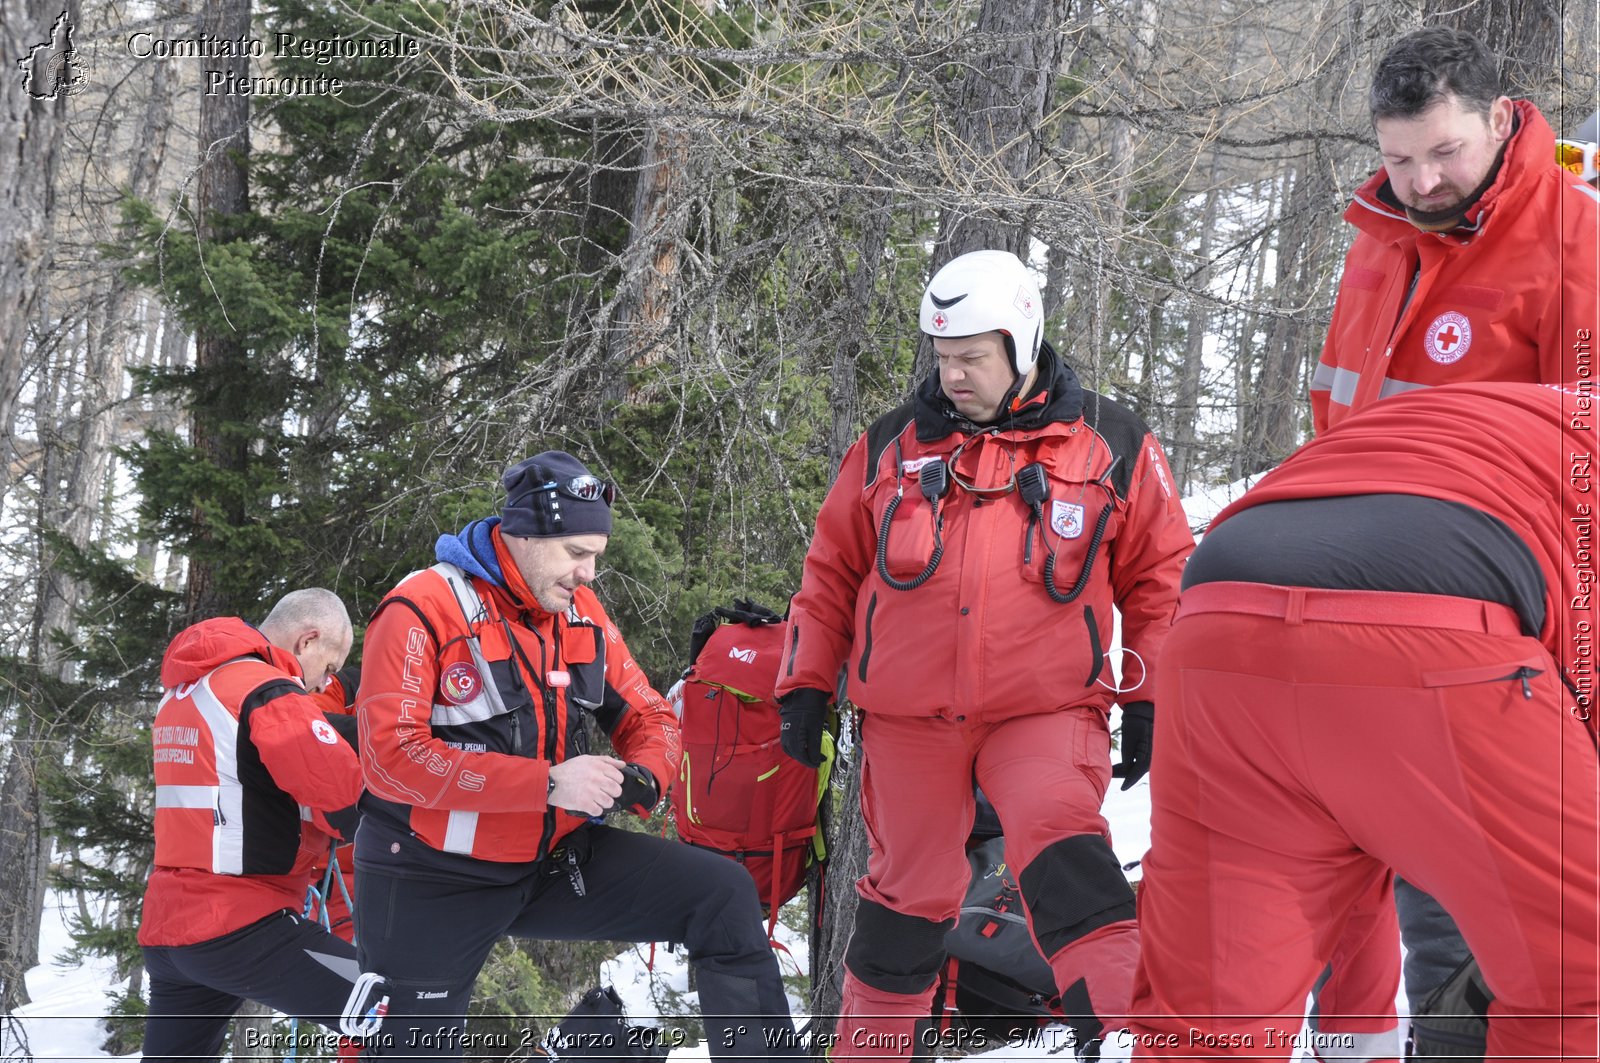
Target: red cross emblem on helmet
{"type": "Point", "coordinates": [940, 321]}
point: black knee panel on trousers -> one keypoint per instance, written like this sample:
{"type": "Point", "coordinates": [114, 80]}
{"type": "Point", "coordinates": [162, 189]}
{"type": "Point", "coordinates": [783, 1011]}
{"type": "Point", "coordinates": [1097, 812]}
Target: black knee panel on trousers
{"type": "Point", "coordinates": [1073, 888]}
{"type": "Point", "coordinates": [893, 952]}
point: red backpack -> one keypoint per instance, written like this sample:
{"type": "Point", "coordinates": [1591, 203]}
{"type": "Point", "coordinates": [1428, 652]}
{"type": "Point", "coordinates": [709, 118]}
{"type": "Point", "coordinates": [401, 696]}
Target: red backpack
{"type": "Point", "coordinates": [738, 793]}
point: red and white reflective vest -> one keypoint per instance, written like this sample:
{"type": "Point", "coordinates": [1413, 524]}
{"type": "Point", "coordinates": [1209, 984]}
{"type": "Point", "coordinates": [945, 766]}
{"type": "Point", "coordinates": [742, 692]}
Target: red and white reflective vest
{"type": "Point", "coordinates": [462, 719]}
{"type": "Point", "coordinates": [200, 799]}
{"type": "Point", "coordinates": [246, 766]}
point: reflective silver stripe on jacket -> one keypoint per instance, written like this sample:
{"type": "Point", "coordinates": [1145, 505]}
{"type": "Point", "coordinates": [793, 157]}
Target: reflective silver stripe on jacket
{"type": "Point", "coordinates": [460, 832]}
{"type": "Point", "coordinates": [186, 796]}
{"type": "Point", "coordinates": [1341, 384]}
{"type": "Point", "coordinates": [475, 711]}
{"type": "Point", "coordinates": [488, 704]}
{"type": "Point", "coordinates": [227, 836]}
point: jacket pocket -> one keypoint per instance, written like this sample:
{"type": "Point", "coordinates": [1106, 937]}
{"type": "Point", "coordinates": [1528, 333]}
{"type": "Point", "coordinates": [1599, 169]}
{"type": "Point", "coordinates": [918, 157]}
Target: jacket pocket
{"type": "Point", "coordinates": [507, 727]}
{"type": "Point", "coordinates": [1522, 671]}
{"type": "Point", "coordinates": [1362, 279]}
{"type": "Point", "coordinates": [1073, 545]}
{"type": "Point", "coordinates": [904, 522]}
{"type": "Point", "coordinates": [586, 666]}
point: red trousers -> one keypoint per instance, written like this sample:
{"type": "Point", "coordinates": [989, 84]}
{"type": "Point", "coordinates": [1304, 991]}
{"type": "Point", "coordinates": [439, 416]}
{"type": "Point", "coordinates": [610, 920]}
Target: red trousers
{"type": "Point", "coordinates": [1308, 742]}
{"type": "Point", "coordinates": [1046, 776]}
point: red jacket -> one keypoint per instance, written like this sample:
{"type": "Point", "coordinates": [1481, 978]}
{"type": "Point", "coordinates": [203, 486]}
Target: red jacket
{"type": "Point", "coordinates": [446, 763]}
{"type": "Point", "coordinates": [1522, 453]}
{"type": "Point", "coordinates": [1509, 296]}
{"type": "Point", "coordinates": [982, 638]}
{"type": "Point", "coordinates": [246, 766]}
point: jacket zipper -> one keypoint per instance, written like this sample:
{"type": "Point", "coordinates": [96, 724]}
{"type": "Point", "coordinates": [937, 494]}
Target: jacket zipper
{"type": "Point", "coordinates": [1524, 673]}
{"type": "Point", "coordinates": [548, 699]}
{"type": "Point", "coordinates": [866, 648]}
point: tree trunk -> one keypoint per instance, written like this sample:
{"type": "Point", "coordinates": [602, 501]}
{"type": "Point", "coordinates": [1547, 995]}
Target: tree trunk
{"type": "Point", "coordinates": [999, 120]}
{"type": "Point", "coordinates": [999, 134]}
{"type": "Point", "coordinates": [1301, 287]}
{"type": "Point", "coordinates": [847, 861]}
{"type": "Point", "coordinates": [651, 262]}
{"type": "Point", "coordinates": [1185, 451]}
{"type": "Point", "coordinates": [1525, 34]}
{"type": "Point", "coordinates": [252, 1032]}
{"type": "Point", "coordinates": [23, 855]}
{"type": "Point", "coordinates": [852, 312]}
{"type": "Point", "coordinates": [220, 358]}
{"type": "Point", "coordinates": [1137, 53]}
{"type": "Point", "coordinates": [31, 132]}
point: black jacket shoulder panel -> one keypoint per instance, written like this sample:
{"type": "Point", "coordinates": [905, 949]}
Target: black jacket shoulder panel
{"type": "Point", "coordinates": [881, 433]}
{"type": "Point", "coordinates": [1123, 430]}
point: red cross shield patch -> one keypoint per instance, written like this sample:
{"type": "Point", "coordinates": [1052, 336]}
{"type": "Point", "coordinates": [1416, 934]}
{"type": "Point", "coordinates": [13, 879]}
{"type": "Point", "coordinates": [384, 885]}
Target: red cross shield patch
{"type": "Point", "coordinates": [1448, 337]}
{"type": "Point", "coordinates": [460, 683]}
{"type": "Point", "coordinates": [1066, 519]}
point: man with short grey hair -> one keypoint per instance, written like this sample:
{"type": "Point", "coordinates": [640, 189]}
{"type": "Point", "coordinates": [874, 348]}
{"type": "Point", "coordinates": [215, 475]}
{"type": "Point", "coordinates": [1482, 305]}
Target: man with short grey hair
{"type": "Point", "coordinates": [314, 625]}
{"type": "Point", "coordinates": [252, 785]}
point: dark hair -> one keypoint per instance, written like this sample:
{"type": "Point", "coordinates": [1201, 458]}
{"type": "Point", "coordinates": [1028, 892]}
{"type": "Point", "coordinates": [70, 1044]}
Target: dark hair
{"type": "Point", "coordinates": [1428, 64]}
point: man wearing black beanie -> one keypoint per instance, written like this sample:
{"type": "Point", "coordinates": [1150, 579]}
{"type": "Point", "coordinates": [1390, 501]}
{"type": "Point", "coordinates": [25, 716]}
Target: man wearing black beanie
{"type": "Point", "coordinates": [480, 818]}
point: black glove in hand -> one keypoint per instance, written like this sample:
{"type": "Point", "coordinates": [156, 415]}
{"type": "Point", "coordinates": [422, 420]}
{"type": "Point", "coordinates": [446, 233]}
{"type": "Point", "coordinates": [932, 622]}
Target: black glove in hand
{"type": "Point", "coordinates": [1138, 735]}
{"type": "Point", "coordinates": [640, 791]}
{"type": "Point", "coordinates": [805, 716]}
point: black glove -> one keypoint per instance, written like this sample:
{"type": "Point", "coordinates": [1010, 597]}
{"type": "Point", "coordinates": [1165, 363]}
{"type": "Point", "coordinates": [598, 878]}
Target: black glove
{"type": "Point", "coordinates": [805, 716]}
{"type": "Point", "coordinates": [705, 625]}
{"type": "Point", "coordinates": [1138, 735]}
{"type": "Point", "coordinates": [745, 611]}
{"type": "Point", "coordinates": [742, 612]}
{"type": "Point", "coordinates": [640, 792]}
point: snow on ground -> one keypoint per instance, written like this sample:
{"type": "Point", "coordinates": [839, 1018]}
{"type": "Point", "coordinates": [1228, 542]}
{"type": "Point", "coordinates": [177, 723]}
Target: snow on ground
{"type": "Point", "coordinates": [63, 1021]}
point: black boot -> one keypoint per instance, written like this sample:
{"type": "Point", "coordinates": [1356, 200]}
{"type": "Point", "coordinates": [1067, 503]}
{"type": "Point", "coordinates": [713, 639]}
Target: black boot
{"type": "Point", "coordinates": [738, 1027]}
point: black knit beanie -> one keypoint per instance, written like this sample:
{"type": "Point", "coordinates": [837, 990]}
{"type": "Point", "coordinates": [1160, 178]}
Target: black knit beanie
{"type": "Point", "coordinates": [542, 498]}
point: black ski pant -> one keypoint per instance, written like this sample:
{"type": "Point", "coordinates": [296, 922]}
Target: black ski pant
{"type": "Point", "coordinates": [429, 937]}
{"type": "Point", "coordinates": [284, 961]}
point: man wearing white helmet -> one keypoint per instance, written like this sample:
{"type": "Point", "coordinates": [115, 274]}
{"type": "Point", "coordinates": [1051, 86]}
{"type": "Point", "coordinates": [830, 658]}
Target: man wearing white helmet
{"type": "Point", "coordinates": [964, 571]}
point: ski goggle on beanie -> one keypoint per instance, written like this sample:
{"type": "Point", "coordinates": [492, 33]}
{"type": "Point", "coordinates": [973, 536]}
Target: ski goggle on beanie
{"type": "Point", "coordinates": [553, 494]}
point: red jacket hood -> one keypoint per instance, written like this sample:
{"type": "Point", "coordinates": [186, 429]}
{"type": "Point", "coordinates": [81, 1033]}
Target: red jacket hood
{"type": "Point", "coordinates": [200, 648]}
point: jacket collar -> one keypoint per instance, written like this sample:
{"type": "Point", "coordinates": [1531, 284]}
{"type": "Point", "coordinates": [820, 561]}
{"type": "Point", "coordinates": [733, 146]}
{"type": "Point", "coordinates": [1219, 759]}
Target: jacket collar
{"type": "Point", "coordinates": [1056, 397]}
{"type": "Point", "coordinates": [1529, 150]}
{"type": "Point", "coordinates": [479, 549]}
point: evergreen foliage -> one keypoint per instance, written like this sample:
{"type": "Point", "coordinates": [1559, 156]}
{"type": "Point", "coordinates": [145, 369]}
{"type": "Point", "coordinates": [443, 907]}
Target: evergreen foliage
{"type": "Point", "coordinates": [409, 287]}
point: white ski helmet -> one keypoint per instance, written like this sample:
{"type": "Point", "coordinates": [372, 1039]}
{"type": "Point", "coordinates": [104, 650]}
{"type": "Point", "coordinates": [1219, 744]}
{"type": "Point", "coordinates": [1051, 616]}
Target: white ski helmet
{"type": "Point", "coordinates": [987, 291]}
